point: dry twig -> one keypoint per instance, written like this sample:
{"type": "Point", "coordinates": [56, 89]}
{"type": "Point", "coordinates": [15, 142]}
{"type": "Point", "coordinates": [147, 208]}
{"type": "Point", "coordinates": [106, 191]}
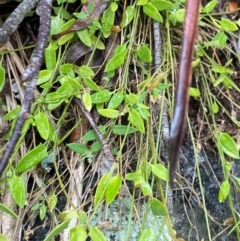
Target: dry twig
{"type": "Point", "coordinates": [30, 75]}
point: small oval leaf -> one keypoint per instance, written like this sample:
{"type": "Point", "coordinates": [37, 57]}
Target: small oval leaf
{"type": "Point", "coordinates": [96, 235]}
{"type": "Point", "coordinates": [228, 145]}
{"type": "Point", "coordinates": [228, 25]}
{"type": "Point", "coordinates": [144, 54]}
{"type": "Point", "coordinates": [122, 130]}
{"type": "Point", "coordinates": [113, 188]}
{"type": "Point", "coordinates": [224, 191]}
{"type": "Point", "coordinates": [101, 96]}
{"type": "Point", "coordinates": [158, 209]}
{"type": "Point", "coordinates": [160, 171]}
{"type": "Point", "coordinates": [42, 124]}
{"type": "Point", "coordinates": [116, 100]}
{"type": "Point", "coordinates": [101, 189]}
{"type": "Point", "coordinates": [32, 158]}
{"type": "Point", "coordinates": [17, 189]}
{"type": "Point", "coordinates": [109, 113]}
{"type": "Point", "coordinates": [128, 16]}
{"type": "Point", "coordinates": [152, 12]}
{"type": "Point", "coordinates": [136, 120]}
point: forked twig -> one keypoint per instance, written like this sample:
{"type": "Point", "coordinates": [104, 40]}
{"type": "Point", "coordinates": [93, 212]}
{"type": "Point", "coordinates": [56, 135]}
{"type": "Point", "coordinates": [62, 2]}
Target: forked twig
{"type": "Point", "coordinates": [44, 9]}
{"type": "Point", "coordinates": [183, 83]}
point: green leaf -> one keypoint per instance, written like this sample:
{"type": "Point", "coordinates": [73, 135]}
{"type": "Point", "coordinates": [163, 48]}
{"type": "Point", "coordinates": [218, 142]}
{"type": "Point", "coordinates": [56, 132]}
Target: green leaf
{"type": "Point", "coordinates": [3, 238]}
{"type": "Point", "coordinates": [228, 145]}
{"type": "Point", "coordinates": [147, 235]}
{"type": "Point", "coordinates": [113, 188]}
{"type": "Point", "coordinates": [56, 23]}
{"type": "Point", "coordinates": [161, 5]}
{"type": "Point", "coordinates": [42, 124]}
{"type": "Point", "coordinates": [44, 76]}
{"type": "Point", "coordinates": [136, 120]}
{"type": "Point", "coordinates": [68, 215]}
{"type": "Point", "coordinates": [2, 77]}
{"type": "Point", "coordinates": [91, 135]}
{"type": "Point", "coordinates": [12, 114]}
{"type": "Point", "coordinates": [52, 201]}
{"type": "Point", "coordinates": [224, 191]}
{"type": "Point", "coordinates": [91, 84]}
{"type": "Point", "coordinates": [96, 146]}
{"type": "Point", "coordinates": [210, 6]}
{"type": "Point", "coordinates": [85, 71]}
{"type": "Point", "coordinates": [115, 62]}
{"type": "Point", "coordinates": [180, 14]}
{"type": "Point", "coordinates": [228, 25]}
{"type": "Point", "coordinates": [87, 101]}
{"type": "Point", "coordinates": [79, 148]}
{"type": "Point", "coordinates": [128, 16]}
{"type": "Point", "coordinates": [194, 92]}
{"type": "Point", "coordinates": [215, 108]}
{"type": "Point", "coordinates": [158, 209]}
{"type": "Point", "coordinates": [57, 230]}
{"type": "Point", "coordinates": [146, 189]}
{"type": "Point", "coordinates": [42, 211]}
{"type": "Point", "coordinates": [65, 38]}
{"type": "Point", "coordinates": [8, 211]}
{"type": "Point", "coordinates": [116, 100]}
{"type": "Point", "coordinates": [74, 82]}
{"type": "Point", "coordinates": [97, 43]}
{"type": "Point", "coordinates": [107, 22]}
{"type": "Point", "coordinates": [32, 158]}
{"type": "Point", "coordinates": [101, 189]}
{"type": "Point", "coordinates": [132, 99]}
{"type": "Point", "coordinates": [82, 218]}
{"type": "Point", "coordinates": [137, 177]}
{"type": "Point", "coordinates": [144, 54]}
{"type": "Point", "coordinates": [152, 12]}
{"type": "Point", "coordinates": [17, 188]}
{"type": "Point", "coordinates": [160, 171]}
{"type": "Point", "coordinates": [114, 6]}
{"type": "Point", "coordinates": [67, 25]}
{"type": "Point", "coordinates": [96, 235]}
{"type": "Point", "coordinates": [67, 69]}
{"type": "Point", "coordinates": [142, 2]}
{"type": "Point", "coordinates": [118, 59]}
{"type": "Point", "coordinates": [85, 37]}
{"type": "Point", "coordinates": [101, 96]}
{"type": "Point", "coordinates": [109, 113]}
{"type": "Point", "coordinates": [122, 130]}
{"type": "Point", "coordinates": [78, 233]}
{"type": "Point", "coordinates": [50, 58]}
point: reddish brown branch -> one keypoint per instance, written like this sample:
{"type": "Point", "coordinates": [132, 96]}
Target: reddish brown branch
{"type": "Point", "coordinates": [183, 84]}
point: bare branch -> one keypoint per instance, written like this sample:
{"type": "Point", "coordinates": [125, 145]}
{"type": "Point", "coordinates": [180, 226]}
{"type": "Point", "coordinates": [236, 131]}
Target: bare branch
{"type": "Point", "coordinates": [15, 18]}
{"type": "Point", "coordinates": [30, 75]}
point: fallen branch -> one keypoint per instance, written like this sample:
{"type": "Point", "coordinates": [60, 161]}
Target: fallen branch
{"type": "Point", "coordinates": [15, 18]}
{"type": "Point", "coordinates": [44, 9]}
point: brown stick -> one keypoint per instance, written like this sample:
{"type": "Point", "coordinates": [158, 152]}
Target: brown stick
{"type": "Point", "coordinates": [183, 84]}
